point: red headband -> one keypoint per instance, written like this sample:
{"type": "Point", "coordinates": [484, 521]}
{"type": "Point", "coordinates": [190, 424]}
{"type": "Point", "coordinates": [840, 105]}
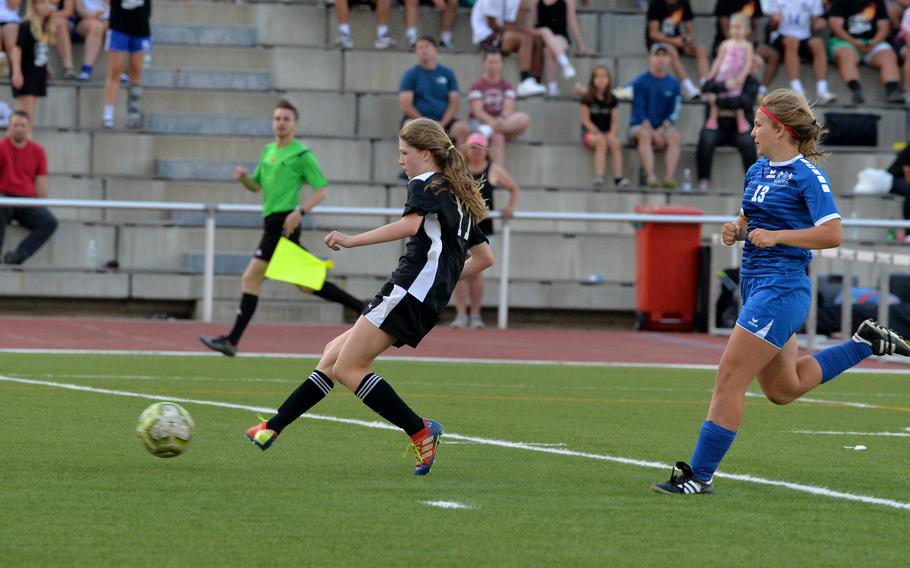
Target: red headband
{"type": "Point", "coordinates": [777, 120]}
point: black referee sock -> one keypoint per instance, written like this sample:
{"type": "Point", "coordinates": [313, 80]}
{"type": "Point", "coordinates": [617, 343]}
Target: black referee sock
{"type": "Point", "coordinates": [248, 304]}
{"type": "Point", "coordinates": [384, 401]}
{"type": "Point", "coordinates": [333, 293]}
{"type": "Point", "coordinates": [311, 391]}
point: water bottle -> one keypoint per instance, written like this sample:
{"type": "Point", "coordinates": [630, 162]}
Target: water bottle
{"type": "Point", "coordinates": [91, 254]}
{"type": "Point", "coordinates": [687, 180]}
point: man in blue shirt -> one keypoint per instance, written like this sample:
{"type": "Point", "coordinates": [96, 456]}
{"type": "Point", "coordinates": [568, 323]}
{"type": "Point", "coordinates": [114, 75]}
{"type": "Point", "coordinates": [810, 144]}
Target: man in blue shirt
{"type": "Point", "coordinates": [655, 108]}
{"type": "Point", "coordinates": [431, 90]}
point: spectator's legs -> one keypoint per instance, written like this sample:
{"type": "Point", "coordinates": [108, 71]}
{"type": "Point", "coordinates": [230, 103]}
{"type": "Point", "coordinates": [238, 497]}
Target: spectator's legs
{"type": "Point", "coordinates": [688, 88]}
{"type": "Point", "coordinates": [93, 31]}
{"type": "Point", "coordinates": [459, 132]}
{"type": "Point", "coordinates": [549, 72]}
{"type": "Point", "coordinates": [772, 63]}
{"type": "Point", "coordinates": [6, 215]}
{"type": "Point", "coordinates": [704, 154]}
{"type": "Point", "coordinates": [644, 137]}
{"type": "Point", "coordinates": [134, 98]}
{"type": "Point", "coordinates": [556, 48]}
{"type": "Point", "coordinates": [26, 103]}
{"type": "Point", "coordinates": [847, 61]}
{"type": "Point", "coordinates": [528, 66]}
{"type": "Point", "coordinates": [711, 123]}
{"type": "Point", "coordinates": [382, 21]}
{"type": "Point", "coordinates": [515, 124]}
{"type": "Point", "coordinates": [905, 72]}
{"type": "Point", "coordinates": [410, 21]}
{"type": "Point", "coordinates": [674, 150]}
{"type": "Point", "coordinates": [61, 31]}
{"type": "Point", "coordinates": [792, 63]}
{"type": "Point", "coordinates": [476, 286]}
{"type": "Point", "coordinates": [700, 54]}
{"type": "Point", "coordinates": [40, 223]}
{"type": "Point", "coordinates": [448, 24]}
{"type": "Point", "coordinates": [600, 155]}
{"type": "Point", "coordinates": [886, 62]}
{"type": "Point", "coordinates": [820, 67]}
{"type": "Point", "coordinates": [498, 148]}
{"type": "Point", "coordinates": [536, 58]}
{"type": "Point", "coordinates": [116, 63]}
{"type": "Point", "coordinates": [747, 151]}
{"type": "Point", "coordinates": [10, 35]}
{"type": "Point", "coordinates": [614, 148]}
{"type": "Point", "coordinates": [462, 292]}
{"type": "Point", "coordinates": [344, 40]}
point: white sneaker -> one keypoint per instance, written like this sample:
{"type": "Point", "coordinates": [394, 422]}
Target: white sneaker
{"type": "Point", "coordinates": [553, 89]}
{"type": "Point", "coordinates": [460, 322]}
{"type": "Point", "coordinates": [477, 322]}
{"type": "Point", "coordinates": [384, 42]}
{"type": "Point", "coordinates": [530, 88]}
{"type": "Point", "coordinates": [825, 97]}
{"type": "Point", "coordinates": [486, 130]}
{"type": "Point", "coordinates": [344, 41]}
{"type": "Point", "coordinates": [107, 123]}
{"type": "Point", "coordinates": [568, 71]}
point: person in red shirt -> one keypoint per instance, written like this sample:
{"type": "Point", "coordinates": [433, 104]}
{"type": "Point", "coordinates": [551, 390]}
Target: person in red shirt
{"type": "Point", "coordinates": [23, 173]}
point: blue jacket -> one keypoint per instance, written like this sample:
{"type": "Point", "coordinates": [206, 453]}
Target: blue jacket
{"type": "Point", "coordinates": [655, 100]}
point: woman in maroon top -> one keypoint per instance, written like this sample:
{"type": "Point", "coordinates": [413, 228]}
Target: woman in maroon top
{"type": "Point", "coordinates": [492, 107]}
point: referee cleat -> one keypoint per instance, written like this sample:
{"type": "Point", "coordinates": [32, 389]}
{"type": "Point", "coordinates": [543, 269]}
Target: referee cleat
{"type": "Point", "coordinates": [882, 340]}
{"type": "Point", "coordinates": [424, 444]}
{"type": "Point", "coordinates": [220, 344]}
{"type": "Point", "coordinates": [684, 484]}
{"type": "Point", "coordinates": [261, 434]}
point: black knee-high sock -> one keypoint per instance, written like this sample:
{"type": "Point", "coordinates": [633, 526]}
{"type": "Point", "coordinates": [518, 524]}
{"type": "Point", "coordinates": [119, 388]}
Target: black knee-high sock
{"type": "Point", "coordinates": [311, 391]}
{"type": "Point", "coordinates": [244, 315]}
{"type": "Point", "coordinates": [335, 294]}
{"type": "Point", "coordinates": [384, 401]}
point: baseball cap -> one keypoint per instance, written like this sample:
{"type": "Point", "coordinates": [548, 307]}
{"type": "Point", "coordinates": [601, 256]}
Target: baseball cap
{"type": "Point", "coordinates": [659, 47]}
{"type": "Point", "coordinates": [477, 139]}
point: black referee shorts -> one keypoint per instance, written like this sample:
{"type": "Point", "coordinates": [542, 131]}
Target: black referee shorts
{"type": "Point", "coordinates": [273, 230]}
{"type": "Point", "coordinates": [401, 315]}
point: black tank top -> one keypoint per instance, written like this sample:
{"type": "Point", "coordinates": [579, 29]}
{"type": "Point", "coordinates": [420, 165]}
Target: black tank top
{"type": "Point", "coordinates": [486, 190]}
{"type": "Point", "coordinates": [553, 17]}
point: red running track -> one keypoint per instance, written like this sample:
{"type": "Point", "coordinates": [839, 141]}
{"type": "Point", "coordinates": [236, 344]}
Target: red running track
{"type": "Point", "coordinates": [556, 345]}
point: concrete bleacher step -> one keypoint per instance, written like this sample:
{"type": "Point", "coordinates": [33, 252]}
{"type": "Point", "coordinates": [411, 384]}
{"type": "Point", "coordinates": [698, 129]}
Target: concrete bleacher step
{"type": "Point", "coordinates": [189, 34]}
{"type": "Point", "coordinates": [218, 79]}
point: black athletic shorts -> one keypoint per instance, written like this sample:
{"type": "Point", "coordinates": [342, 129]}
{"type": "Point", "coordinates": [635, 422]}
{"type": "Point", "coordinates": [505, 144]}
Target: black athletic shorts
{"type": "Point", "coordinates": [401, 315]}
{"type": "Point", "coordinates": [273, 230]}
{"type": "Point", "coordinates": [805, 52]}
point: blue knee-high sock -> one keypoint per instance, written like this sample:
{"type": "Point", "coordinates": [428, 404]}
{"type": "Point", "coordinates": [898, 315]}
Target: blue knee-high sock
{"type": "Point", "coordinates": [837, 359]}
{"type": "Point", "coordinates": [713, 443]}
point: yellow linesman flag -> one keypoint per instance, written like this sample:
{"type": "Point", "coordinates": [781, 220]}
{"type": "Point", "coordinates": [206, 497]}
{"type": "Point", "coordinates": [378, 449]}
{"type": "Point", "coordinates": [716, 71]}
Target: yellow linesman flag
{"type": "Point", "coordinates": [291, 263]}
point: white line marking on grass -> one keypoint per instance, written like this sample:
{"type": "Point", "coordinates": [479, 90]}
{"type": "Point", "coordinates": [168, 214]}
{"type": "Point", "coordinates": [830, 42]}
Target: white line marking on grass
{"type": "Point", "coordinates": [811, 489]}
{"type": "Point", "coordinates": [820, 401]}
{"type": "Point", "coordinates": [535, 362]}
{"type": "Point", "coordinates": [832, 433]}
{"type": "Point", "coordinates": [446, 504]}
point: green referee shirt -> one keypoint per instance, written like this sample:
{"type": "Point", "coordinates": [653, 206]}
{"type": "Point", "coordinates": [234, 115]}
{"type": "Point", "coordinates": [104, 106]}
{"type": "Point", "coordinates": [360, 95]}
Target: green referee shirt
{"type": "Point", "coordinates": [281, 172]}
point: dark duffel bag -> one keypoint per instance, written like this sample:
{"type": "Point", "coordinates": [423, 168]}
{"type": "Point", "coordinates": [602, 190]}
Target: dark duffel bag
{"type": "Point", "coordinates": [851, 129]}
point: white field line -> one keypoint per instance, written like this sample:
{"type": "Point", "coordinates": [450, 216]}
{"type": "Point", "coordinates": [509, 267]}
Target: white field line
{"type": "Point", "coordinates": [546, 362]}
{"type": "Point", "coordinates": [446, 504]}
{"type": "Point", "coordinates": [821, 401]}
{"type": "Point", "coordinates": [811, 489]}
{"type": "Point", "coordinates": [833, 433]}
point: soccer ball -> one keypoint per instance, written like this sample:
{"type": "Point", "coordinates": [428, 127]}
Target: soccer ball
{"type": "Point", "coordinates": [165, 429]}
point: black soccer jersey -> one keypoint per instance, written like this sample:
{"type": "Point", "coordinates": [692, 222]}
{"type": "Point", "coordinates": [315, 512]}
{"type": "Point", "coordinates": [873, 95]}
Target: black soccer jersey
{"type": "Point", "coordinates": [435, 256]}
{"type": "Point", "coordinates": [131, 17]}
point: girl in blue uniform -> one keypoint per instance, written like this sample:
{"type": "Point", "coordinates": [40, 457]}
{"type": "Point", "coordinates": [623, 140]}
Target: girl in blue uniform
{"type": "Point", "coordinates": [787, 211]}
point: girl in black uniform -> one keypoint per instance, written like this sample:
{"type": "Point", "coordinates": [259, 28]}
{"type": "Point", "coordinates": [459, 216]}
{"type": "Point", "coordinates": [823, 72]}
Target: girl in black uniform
{"type": "Point", "coordinates": [440, 221]}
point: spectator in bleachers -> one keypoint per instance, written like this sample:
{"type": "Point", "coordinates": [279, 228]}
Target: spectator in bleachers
{"type": "Point", "coordinates": [600, 126]}
{"type": "Point", "coordinates": [726, 131]}
{"type": "Point", "coordinates": [726, 9]}
{"type": "Point", "coordinates": [449, 9]}
{"type": "Point", "coordinates": [900, 183]}
{"type": "Point", "coordinates": [23, 173]}
{"type": "Point", "coordinates": [92, 26]}
{"type": "Point", "coordinates": [655, 107]}
{"type": "Point", "coordinates": [859, 29]}
{"type": "Point", "coordinates": [9, 25]}
{"type": "Point", "coordinates": [28, 65]}
{"type": "Point", "coordinates": [346, 41]}
{"type": "Point", "coordinates": [501, 25]}
{"type": "Point", "coordinates": [492, 107]}
{"type": "Point", "coordinates": [896, 9]}
{"type": "Point", "coordinates": [670, 23]}
{"type": "Point", "coordinates": [128, 41]}
{"type": "Point", "coordinates": [795, 26]}
{"type": "Point", "coordinates": [62, 11]}
{"type": "Point", "coordinates": [729, 71]}
{"type": "Point", "coordinates": [553, 20]}
{"type": "Point", "coordinates": [490, 176]}
{"type": "Point", "coordinates": [431, 90]}
{"type": "Point", "coordinates": [901, 41]}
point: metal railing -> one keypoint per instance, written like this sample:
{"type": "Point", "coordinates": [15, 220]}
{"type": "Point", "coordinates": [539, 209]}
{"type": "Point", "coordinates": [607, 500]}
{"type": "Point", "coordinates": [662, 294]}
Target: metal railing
{"type": "Point", "coordinates": [211, 210]}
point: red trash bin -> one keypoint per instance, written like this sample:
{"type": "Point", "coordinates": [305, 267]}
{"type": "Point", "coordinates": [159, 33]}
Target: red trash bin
{"type": "Point", "coordinates": [667, 268]}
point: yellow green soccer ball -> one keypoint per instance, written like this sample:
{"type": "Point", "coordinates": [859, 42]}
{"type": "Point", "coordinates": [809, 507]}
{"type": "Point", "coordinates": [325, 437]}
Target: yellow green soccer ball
{"type": "Point", "coordinates": [165, 429]}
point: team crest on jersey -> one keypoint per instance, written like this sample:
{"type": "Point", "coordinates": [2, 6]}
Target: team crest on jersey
{"type": "Point", "coordinates": [779, 177]}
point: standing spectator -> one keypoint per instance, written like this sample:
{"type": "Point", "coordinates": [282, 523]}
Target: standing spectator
{"type": "Point", "coordinates": [492, 106]}
{"type": "Point", "coordinates": [285, 165]}
{"type": "Point", "coordinates": [726, 132]}
{"type": "Point", "coordinates": [490, 176]}
{"type": "Point", "coordinates": [9, 25]}
{"type": "Point", "coordinates": [670, 23]}
{"type": "Point", "coordinates": [793, 26]}
{"type": "Point", "coordinates": [726, 9]}
{"type": "Point", "coordinates": [501, 24]}
{"type": "Point", "coordinates": [130, 36]}
{"type": "Point", "coordinates": [61, 12]}
{"type": "Point", "coordinates": [655, 107]}
{"type": "Point", "coordinates": [431, 90]}
{"type": "Point", "coordinates": [859, 29]}
{"type": "Point", "coordinates": [449, 9]}
{"type": "Point", "coordinates": [553, 20]}
{"type": "Point", "coordinates": [29, 62]}
{"type": "Point", "coordinates": [92, 26]}
{"type": "Point", "coordinates": [23, 173]}
{"type": "Point", "coordinates": [346, 41]}
{"type": "Point", "coordinates": [730, 69]}
{"type": "Point", "coordinates": [600, 126]}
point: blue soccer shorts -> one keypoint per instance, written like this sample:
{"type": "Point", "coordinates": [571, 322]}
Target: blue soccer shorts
{"type": "Point", "coordinates": [119, 41]}
{"type": "Point", "coordinates": [774, 307]}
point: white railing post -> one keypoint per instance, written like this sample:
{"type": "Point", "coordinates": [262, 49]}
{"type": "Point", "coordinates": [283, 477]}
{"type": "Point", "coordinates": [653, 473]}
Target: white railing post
{"type": "Point", "coordinates": [502, 316]}
{"type": "Point", "coordinates": [208, 275]}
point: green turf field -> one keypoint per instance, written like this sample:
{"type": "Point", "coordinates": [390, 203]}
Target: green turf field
{"type": "Point", "coordinates": [76, 488]}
